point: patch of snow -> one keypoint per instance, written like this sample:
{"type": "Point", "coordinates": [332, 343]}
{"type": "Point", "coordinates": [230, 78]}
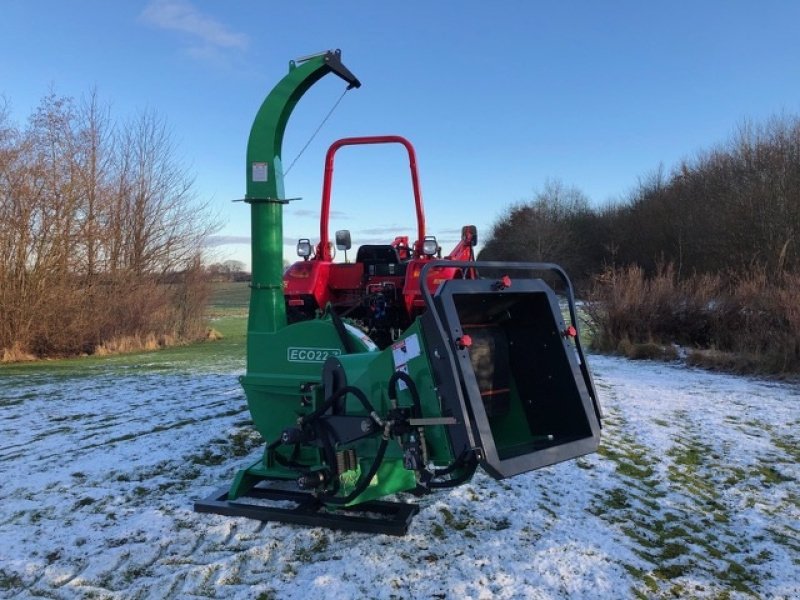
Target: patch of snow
{"type": "Point", "coordinates": [695, 493]}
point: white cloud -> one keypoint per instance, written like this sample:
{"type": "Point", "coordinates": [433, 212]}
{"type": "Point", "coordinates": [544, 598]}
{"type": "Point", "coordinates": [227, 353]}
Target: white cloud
{"type": "Point", "coordinates": [207, 34]}
{"type": "Point", "coordinates": [224, 240]}
{"type": "Point", "coordinates": [314, 213]}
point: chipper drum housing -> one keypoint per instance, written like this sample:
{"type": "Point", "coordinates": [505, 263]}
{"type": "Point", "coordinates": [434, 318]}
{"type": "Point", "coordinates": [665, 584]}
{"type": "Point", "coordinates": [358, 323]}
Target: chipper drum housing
{"type": "Point", "coordinates": [486, 370]}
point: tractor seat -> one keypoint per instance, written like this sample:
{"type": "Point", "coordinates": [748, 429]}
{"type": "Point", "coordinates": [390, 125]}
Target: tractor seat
{"type": "Point", "coordinates": [380, 259]}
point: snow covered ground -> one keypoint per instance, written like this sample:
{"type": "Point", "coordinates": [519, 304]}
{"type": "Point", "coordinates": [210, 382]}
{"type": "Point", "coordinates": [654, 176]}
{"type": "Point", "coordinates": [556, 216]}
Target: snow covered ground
{"type": "Point", "coordinates": [695, 493]}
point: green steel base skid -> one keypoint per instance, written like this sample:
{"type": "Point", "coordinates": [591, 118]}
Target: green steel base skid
{"type": "Point", "coordinates": [377, 516]}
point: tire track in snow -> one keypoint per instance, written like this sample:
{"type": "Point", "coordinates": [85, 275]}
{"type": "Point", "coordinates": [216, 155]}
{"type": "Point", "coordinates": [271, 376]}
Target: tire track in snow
{"type": "Point", "coordinates": [693, 537]}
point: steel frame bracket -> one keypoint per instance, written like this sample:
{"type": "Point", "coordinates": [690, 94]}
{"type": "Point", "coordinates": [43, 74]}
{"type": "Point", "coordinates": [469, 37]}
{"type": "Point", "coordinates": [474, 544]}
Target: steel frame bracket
{"type": "Point", "coordinates": [377, 516]}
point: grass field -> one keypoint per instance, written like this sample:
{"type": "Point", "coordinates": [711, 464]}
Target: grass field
{"type": "Point", "coordinates": [230, 298]}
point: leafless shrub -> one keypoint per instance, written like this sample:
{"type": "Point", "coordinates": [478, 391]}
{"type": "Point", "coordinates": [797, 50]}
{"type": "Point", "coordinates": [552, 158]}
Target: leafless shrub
{"type": "Point", "coordinates": [748, 323]}
{"type": "Point", "coordinates": [15, 354]}
{"type": "Point", "coordinates": [624, 304]}
{"type": "Point", "coordinates": [101, 236]}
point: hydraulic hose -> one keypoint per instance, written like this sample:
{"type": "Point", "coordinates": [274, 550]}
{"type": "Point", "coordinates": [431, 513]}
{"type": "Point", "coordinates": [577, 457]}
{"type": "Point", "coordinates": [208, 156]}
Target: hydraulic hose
{"type": "Point", "coordinates": [365, 479]}
{"type": "Point", "coordinates": [455, 481]}
{"type": "Point", "coordinates": [313, 419]}
{"type": "Point", "coordinates": [466, 459]}
{"type": "Point", "coordinates": [291, 463]}
{"type": "Point", "coordinates": [338, 325]}
{"type": "Point", "coordinates": [348, 389]}
{"type": "Point", "coordinates": [323, 434]}
{"type": "Point", "coordinates": [456, 464]}
{"type": "Point", "coordinates": [412, 388]}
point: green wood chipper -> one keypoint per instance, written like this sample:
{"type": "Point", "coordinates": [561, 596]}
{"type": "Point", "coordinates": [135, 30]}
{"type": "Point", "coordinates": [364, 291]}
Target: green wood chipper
{"type": "Point", "coordinates": [400, 371]}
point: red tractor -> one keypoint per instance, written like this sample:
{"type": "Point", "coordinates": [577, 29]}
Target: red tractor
{"type": "Point", "coordinates": [380, 290]}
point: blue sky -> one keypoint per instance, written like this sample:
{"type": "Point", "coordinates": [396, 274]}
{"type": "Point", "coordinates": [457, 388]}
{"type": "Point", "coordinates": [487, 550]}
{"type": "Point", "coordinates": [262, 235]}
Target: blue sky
{"type": "Point", "coordinates": [497, 97]}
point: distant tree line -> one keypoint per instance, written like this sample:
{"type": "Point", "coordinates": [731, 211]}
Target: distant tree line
{"type": "Point", "coordinates": [228, 271]}
{"type": "Point", "coordinates": [731, 209]}
{"type": "Point", "coordinates": [101, 235]}
{"type": "Point", "coordinates": [706, 256]}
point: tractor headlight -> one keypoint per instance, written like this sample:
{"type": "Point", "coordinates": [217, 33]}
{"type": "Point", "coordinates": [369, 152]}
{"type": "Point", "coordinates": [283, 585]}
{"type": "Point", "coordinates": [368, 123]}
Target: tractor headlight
{"type": "Point", "coordinates": [430, 246]}
{"type": "Point", "coordinates": [304, 247]}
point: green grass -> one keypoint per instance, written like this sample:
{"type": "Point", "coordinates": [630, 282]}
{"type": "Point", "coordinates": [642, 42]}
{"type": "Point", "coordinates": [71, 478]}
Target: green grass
{"type": "Point", "coordinates": [230, 297]}
{"type": "Point", "coordinates": [10, 581]}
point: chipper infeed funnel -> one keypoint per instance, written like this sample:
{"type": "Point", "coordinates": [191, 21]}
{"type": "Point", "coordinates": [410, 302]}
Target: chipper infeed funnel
{"type": "Point", "coordinates": [488, 373]}
{"type": "Point", "coordinates": [527, 391]}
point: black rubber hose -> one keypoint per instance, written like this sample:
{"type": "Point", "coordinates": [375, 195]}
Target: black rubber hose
{"type": "Point", "coordinates": [365, 479]}
{"type": "Point", "coordinates": [455, 481]}
{"type": "Point", "coordinates": [348, 389]}
{"type": "Point", "coordinates": [338, 325]}
{"type": "Point", "coordinates": [323, 432]}
{"type": "Point", "coordinates": [456, 464]}
{"type": "Point", "coordinates": [291, 463]}
{"type": "Point", "coordinates": [412, 388]}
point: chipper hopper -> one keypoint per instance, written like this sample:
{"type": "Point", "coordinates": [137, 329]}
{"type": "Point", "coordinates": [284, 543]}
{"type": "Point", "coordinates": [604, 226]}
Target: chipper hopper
{"type": "Point", "coordinates": [474, 370]}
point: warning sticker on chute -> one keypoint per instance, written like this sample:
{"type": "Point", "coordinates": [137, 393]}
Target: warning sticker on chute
{"type": "Point", "coordinates": [259, 171]}
{"type": "Point", "coordinates": [402, 352]}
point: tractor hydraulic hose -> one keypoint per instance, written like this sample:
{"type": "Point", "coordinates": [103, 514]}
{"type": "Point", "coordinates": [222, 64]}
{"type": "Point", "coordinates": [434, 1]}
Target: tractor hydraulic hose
{"type": "Point", "coordinates": [456, 481]}
{"type": "Point", "coordinates": [291, 463]}
{"type": "Point", "coordinates": [456, 464]}
{"type": "Point", "coordinates": [324, 434]}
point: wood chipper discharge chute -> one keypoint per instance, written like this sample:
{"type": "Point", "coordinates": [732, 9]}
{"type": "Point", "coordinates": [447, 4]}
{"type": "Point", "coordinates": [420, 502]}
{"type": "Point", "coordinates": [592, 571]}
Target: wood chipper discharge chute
{"type": "Point", "coordinates": [469, 371]}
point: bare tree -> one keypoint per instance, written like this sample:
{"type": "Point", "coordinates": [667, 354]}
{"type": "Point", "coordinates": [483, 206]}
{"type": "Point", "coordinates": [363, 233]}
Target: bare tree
{"type": "Point", "coordinates": [99, 222]}
{"type": "Point", "coordinates": [542, 230]}
{"type": "Point", "coordinates": [162, 226]}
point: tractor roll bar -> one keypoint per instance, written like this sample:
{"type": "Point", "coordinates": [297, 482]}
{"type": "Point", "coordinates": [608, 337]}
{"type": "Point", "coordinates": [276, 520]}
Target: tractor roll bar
{"type": "Point", "coordinates": [328, 183]}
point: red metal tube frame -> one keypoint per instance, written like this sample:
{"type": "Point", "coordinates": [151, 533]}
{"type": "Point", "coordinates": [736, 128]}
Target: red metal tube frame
{"type": "Point", "coordinates": [327, 185]}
